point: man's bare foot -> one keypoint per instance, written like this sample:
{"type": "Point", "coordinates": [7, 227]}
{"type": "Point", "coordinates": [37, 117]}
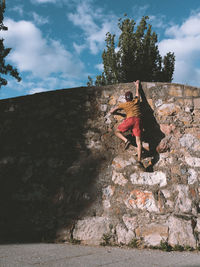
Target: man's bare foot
{"type": "Point", "coordinates": [127, 144]}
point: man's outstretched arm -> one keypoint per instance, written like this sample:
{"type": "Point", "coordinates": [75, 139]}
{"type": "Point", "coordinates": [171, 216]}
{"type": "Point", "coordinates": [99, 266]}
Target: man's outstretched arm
{"type": "Point", "coordinates": [114, 109]}
{"type": "Point", "coordinates": [137, 85]}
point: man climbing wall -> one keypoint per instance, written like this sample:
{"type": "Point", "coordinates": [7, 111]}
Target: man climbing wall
{"type": "Point", "coordinates": [132, 121]}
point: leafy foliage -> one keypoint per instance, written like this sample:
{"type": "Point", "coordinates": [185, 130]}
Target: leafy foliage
{"type": "Point", "coordinates": [178, 247]}
{"type": "Point", "coordinates": [165, 246]}
{"type": "Point", "coordinates": [136, 57]}
{"type": "Point", "coordinates": [90, 81]}
{"type": "Point", "coordinates": [106, 239]}
{"type": "Point", "coordinates": [134, 243]}
{"type": "Point", "coordinates": [5, 68]}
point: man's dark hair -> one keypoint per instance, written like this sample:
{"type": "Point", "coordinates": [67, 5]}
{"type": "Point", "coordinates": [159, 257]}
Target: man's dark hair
{"type": "Point", "coordinates": [128, 96]}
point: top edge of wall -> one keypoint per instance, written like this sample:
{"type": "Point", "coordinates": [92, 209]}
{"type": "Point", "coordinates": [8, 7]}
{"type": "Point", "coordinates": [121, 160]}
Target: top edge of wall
{"type": "Point", "coordinates": [148, 84]}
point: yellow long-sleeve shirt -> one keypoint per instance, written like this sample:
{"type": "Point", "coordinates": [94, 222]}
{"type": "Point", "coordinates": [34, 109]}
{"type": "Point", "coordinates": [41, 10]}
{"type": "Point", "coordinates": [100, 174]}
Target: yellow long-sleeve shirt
{"type": "Point", "coordinates": [132, 108]}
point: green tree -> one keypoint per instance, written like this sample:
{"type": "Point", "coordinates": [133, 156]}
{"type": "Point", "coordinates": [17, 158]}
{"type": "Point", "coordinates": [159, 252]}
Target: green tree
{"type": "Point", "coordinates": [136, 56]}
{"type": "Point", "coordinates": [90, 81]}
{"type": "Point", "coordinates": [5, 68]}
{"type": "Point", "coordinates": [168, 68]}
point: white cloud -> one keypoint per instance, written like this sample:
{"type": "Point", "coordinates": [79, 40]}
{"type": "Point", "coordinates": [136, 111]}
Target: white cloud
{"type": "Point", "coordinates": [51, 83]}
{"type": "Point", "coordinates": [184, 41]}
{"type": "Point", "coordinates": [57, 2]}
{"type": "Point", "coordinates": [18, 9]}
{"type": "Point", "coordinates": [33, 53]}
{"type": "Point", "coordinates": [189, 28]}
{"type": "Point", "coordinates": [28, 85]}
{"type": "Point", "coordinates": [39, 19]}
{"type": "Point", "coordinates": [37, 90]}
{"type": "Point", "coordinates": [79, 48]}
{"type": "Point", "coordinates": [43, 1]}
{"type": "Point", "coordinates": [157, 21]}
{"type": "Point", "coordinates": [99, 67]}
{"type": "Point", "coordinates": [139, 12]}
{"type": "Point", "coordinates": [88, 18]}
{"type": "Point", "coordinates": [84, 18]}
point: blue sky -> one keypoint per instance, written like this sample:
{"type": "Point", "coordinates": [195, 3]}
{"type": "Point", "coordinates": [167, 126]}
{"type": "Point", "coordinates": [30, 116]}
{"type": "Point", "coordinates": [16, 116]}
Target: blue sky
{"type": "Point", "coordinates": [57, 43]}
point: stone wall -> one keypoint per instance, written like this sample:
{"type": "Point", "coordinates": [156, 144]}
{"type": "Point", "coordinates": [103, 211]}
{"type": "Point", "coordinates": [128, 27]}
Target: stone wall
{"type": "Point", "coordinates": [65, 175]}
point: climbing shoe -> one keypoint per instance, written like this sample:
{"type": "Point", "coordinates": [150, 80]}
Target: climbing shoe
{"type": "Point", "coordinates": [140, 165]}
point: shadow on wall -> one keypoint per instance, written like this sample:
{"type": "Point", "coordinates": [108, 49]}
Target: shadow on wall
{"type": "Point", "coordinates": [152, 133]}
{"type": "Point", "coordinates": [46, 170]}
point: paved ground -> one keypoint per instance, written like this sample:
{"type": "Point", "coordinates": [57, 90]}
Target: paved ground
{"type": "Point", "coordinates": [61, 255]}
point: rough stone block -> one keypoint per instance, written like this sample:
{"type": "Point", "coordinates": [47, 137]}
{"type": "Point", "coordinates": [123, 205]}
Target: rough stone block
{"type": "Point", "coordinates": [158, 102]}
{"type": "Point", "coordinates": [196, 103]}
{"type": "Point", "coordinates": [198, 225]}
{"type": "Point", "coordinates": [143, 200]}
{"type": "Point", "coordinates": [118, 178]}
{"type": "Point", "coordinates": [94, 144]}
{"type": "Point", "coordinates": [106, 93]}
{"type": "Point", "coordinates": [153, 234]}
{"type": "Point", "coordinates": [124, 236]}
{"type": "Point", "coordinates": [147, 178]}
{"type": "Point", "coordinates": [193, 176]}
{"type": "Point", "coordinates": [188, 102]}
{"type": "Point", "coordinates": [119, 162]}
{"type": "Point", "coordinates": [192, 161]}
{"type": "Point", "coordinates": [186, 118]}
{"type": "Point", "coordinates": [190, 142]}
{"type": "Point", "coordinates": [195, 131]}
{"type": "Point", "coordinates": [166, 193]}
{"type": "Point", "coordinates": [103, 107]}
{"type": "Point", "coordinates": [130, 222]}
{"type": "Point", "coordinates": [112, 101]}
{"type": "Point", "coordinates": [108, 191]}
{"type": "Point", "coordinates": [180, 101]}
{"type": "Point", "coordinates": [183, 201]}
{"type": "Point", "coordinates": [175, 169]}
{"type": "Point", "coordinates": [106, 204]}
{"type": "Point", "coordinates": [180, 232]}
{"type": "Point", "coordinates": [91, 230]}
{"type": "Point", "coordinates": [121, 98]}
{"type": "Point", "coordinates": [167, 128]}
{"type": "Point", "coordinates": [189, 106]}
{"type": "Point", "coordinates": [165, 159]}
{"type": "Point", "coordinates": [149, 85]}
{"type": "Point", "coordinates": [191, 92]}
{"type": "Point", "coordinates": [163, 146]}
{"type": "Point", "coordinates": [175, 91]}
{"type": "Point", "coordinates": [168, 109]}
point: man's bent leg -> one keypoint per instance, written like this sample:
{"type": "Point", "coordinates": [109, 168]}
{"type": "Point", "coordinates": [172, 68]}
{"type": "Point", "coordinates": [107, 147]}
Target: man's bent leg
{"type": "Point", "coordinates": [139, 147]}
{"type": "Point", "coordinates": [121, 136]}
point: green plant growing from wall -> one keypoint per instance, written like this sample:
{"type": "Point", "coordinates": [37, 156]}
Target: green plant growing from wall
{"type": "Point", "coordinates": [178, 247]}
{"type": "Point", "coordinates": [188, 248]}
{"type": "Point", "coordinates": [75, 241]}
{"type": "Point", "coordinates": [165, 246]}
{"type": "Point", "coordinates": [133, 243]}
{"type": "Point", "coordinates": [106, 239]}
{"type": "Point", "coordinates": [136, 243]}
{"type": "Point", "coordinates": [136, 56]}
